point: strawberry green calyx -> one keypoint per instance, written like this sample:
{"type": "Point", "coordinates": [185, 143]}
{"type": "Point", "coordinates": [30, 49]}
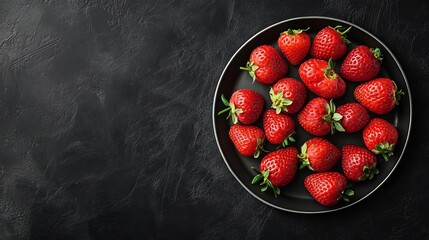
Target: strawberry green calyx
{"type": "Point", "coordinates": [385, 149]}
{"type": "Point", "coordinates": [251, 68]}
{"type": "Point", "coordinates": [232, 111]}
{"type": "Point", "coordinates": [259, 148]}
{"type": "Point", "coordinates": [345, 194]}
{"type": "Point", "coordinates": [279, 102]}
{"type": "Point", "coordinates": [397, 94]}
{"type": "Point", "coordinates": [377, 53]}
{"type": "Point", "coordinates": [333, 117]}
{"type": "Point", "coordinates": [304, 159]}
{"type": "Point", "coordinates": [339, 29]}
{"type": "Point", "coordinates": [289, 139]}
{"type": "Point", "coordinates": [330, 70]}
{"type": "Point", "coordinates": [295, 31]}
{"type": "Point", "coordinates": [262, 179]}
{"type": "Point", "coordinates": [369, 172]}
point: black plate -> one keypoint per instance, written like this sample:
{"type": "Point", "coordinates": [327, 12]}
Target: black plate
{"type": "Point", "coordinates": [294, 197]}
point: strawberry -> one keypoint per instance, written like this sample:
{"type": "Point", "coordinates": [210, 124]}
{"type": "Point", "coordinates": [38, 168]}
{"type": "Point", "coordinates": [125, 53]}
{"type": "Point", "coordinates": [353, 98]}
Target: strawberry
{"type": "Point", "coordinates": [361, 64]}
{"type": "Point", "coordinates": [380, 136]}
{"type": "Point", "coordinates": [319, 118]}
{"type": "Point", "coordinates": [279, 128]}
{"type": "Point", "coordinates": [288, 95]}
{"type": "Point", "coordinates": [358, 163]}
{"type": "Point", "coordinates": [328, 188]}
{"type": "Point", "coordinates": [245, 106]}
{"type": "Point", "coordinates": [294, 45]}
{"type": "Point", "coordinates": [248, 140]}
{"type": "Point", "coordinates": [319, 155]}
{"type": "Point", "coordinates": [277, 169]}
{"type": "Point", "coordinates": [355, 117]}
{"type": "Point", "coordinates": [379, 95]}
{"type": "Point", "coordinates": [330, 43]}
{"type": "Point", "coordinates": [266, 65]}
{"type": "Point", "coordinates": [320, 78]}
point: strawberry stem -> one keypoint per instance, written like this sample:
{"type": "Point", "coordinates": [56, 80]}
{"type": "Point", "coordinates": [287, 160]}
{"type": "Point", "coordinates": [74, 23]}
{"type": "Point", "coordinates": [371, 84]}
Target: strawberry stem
{"type": "Point", "coordinates": [295, 31]}
{"type": "Point", "coordinates": [343, 33]}
{"type": "Point", "coordinates": [330, 70]}
{"type": "Point", "coordinates": [333, 117]}
{"type": "Point", "coordinates": [279, 102]}
{"type": "Point", "coordinates": [251, 68]}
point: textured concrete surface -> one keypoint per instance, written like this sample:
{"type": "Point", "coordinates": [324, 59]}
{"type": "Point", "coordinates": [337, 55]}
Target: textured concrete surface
{"type": "Point", "coordinates": [105, 122]}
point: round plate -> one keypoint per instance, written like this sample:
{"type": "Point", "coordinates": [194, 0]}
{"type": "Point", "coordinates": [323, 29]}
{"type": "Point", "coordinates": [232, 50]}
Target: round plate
{"type": "Point", "coordinates": [294, 197]}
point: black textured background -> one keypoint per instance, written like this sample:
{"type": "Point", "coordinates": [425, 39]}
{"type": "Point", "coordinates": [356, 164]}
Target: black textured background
{"type": "Point", "coordinates": [105, 122]}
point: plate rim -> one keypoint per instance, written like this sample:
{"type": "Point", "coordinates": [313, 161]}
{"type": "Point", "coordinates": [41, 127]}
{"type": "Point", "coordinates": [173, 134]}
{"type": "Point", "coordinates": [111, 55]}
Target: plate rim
{"type": "Point", "coordinates": [324, 18]}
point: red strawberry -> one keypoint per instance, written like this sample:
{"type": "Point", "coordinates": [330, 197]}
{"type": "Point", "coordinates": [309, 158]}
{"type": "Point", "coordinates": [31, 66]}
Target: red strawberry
{"type": "Point", "coordinates": [320, 77]}
{"type": "Point", "coordinates": [379, 95]}
{"type": "Point", "coordinates": [245, 106]}
{"type": "Point", "coordinates": [358, 163]}
{"type": "Point", "coordinates": [277, 169]}
{"type": "Point", "coordinates": [278, 128]}
{"type": "Point", "coordinates": [330, 43]}
{"type": "Point", "coordinates": [294, 45]}
{"type": "Point", "coordinates": [319, 155]}
{"type": "Point", "coordinates": [319, 118]}
{"type": "Point", "coordinates": [248, 140]}
{"type": "Point", "coordinates": [380, 137]}
{"type": "Point", "coordinates": [266, 65]}
{"type": "Point", "coordinates": [361, 64]}
{"type": "Point", "coordinates": [288, 95]}
{"type": "Point", "coordinates": [355, 117]}
{"type": "Point", "coordinates": [328, 188]}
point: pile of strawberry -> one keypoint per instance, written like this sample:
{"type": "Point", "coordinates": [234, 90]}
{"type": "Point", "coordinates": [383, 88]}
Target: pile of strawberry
{"type": "Point", "coordinates": [318, 117]}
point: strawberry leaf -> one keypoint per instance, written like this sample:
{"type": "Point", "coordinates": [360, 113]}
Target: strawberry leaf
{"type": "Point", "coordinates": [346, 193]}
{"type": "Point", "coordinates": [385, 149]}
{"type": "Point", "coordinates": [288, 139]}
{"type": "Point", "coordinates": [257, 178]}
{"type": "Point", "coordinates": [337, 117]}
{"type": "Point", "coordinates": [304, 148]}
{"type": "Point", "coordinates": [332, 105]}
{"type": "Point", "coordinates": [256, 154]}
{"type": "Point", "coordinates": [276, 190]}
{"type": "Point", "coordinates": [349, 192]}
{"type": "Point", "coordinates": [233, 118]}
{"type": "Point", "coordinates": [226, 103]}
{"type": "Point", "coordinates": [224, 100]}
{"type": "Point", "coordinates": [266, 173]}
{"type": "Point", "coordinates": [223, 111]}
{"type": "Point", "coordinates": [263, 179]}
{"type": "Point", "coordinates": [339, 127]}
{"type": "Point", "coordinates": [377, 53]}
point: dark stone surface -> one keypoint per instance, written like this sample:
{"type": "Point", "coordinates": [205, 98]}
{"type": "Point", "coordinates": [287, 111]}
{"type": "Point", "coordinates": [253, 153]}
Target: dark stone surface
{"type": "Point", "coordinates": [105, 122]}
